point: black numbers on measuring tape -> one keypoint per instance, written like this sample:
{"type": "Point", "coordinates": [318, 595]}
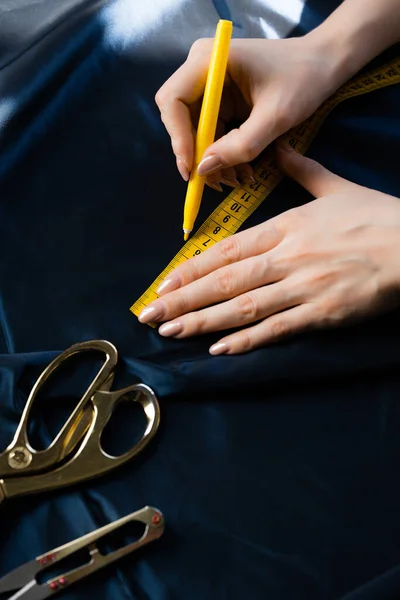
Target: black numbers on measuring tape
{"type": "Point", "coordinates": [206, 242]}
{"type": "Point", "coordinates": [226, 219]}
{"type": "Point", "coordinates": [217, 230]}
{"type": "Point", "coordinates": [245, 197]}
{"type": "Point", "coordinates": [255, 186]}
{"type": "Point", "coordinates": [263, 175]}
{"type": "Point", "coordinates": [293, 142]}
{"type": "Point", "coordinates": [236, 207]}
{"type": "Point", "coordinates": [197, 252]}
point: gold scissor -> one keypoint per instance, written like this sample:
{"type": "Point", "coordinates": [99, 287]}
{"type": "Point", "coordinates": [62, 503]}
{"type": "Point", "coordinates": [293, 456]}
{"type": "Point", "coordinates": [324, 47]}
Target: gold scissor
{"type": "Point", "coordinates": [76, 453]}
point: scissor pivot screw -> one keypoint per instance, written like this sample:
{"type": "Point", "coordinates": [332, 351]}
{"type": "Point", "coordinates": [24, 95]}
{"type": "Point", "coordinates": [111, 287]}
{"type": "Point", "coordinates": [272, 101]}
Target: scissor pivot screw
{"type": "Point", "coordinates": [19, 458]}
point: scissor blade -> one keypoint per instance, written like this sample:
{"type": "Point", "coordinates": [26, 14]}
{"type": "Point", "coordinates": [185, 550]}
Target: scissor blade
{"type": "Point", "coordinates": [32, 591]}
{"type": "Point", "coordinates": [19, 577]}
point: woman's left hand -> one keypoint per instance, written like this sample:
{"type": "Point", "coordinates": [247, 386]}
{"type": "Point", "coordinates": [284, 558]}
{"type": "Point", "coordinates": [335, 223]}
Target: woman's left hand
{"type": "Point", "coordinates": [333, 260]}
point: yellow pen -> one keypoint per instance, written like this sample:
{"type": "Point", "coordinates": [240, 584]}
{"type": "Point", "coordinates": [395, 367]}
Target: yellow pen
{"type": "Point", "coordinates": [207, 121]}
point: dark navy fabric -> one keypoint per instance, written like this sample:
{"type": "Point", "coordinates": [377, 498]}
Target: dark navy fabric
{"type": "Point", "coordinates": [277, 471]}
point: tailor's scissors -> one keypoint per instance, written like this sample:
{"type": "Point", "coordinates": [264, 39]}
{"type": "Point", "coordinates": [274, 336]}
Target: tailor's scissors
{"type": "Point", "coordinates": [24, 580]}
{"type": "Point", "coordinates": [76, 453]}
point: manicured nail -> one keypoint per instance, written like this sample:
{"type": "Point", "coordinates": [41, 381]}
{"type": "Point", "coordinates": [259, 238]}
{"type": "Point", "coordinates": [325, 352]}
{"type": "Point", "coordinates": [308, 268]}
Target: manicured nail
{"type": "Point", "coordinates": [152, 313]}
{"type": "Point", "coordinates": [231, 182]}
{"type": "Point", "coordinates": [214, 186]}
{"type": "Point", "coordinates": [182, 168]}
{"type": "Point", "coordinates": [169, 284]}
{"type": "Point", "coordinates": [219, 348]}
{"type": "Point", "coordinates": [247, 178]}
{"type": "Point", "coordinates": [210, 164]}
{"type": "Point", "coordinates": [170, 329]}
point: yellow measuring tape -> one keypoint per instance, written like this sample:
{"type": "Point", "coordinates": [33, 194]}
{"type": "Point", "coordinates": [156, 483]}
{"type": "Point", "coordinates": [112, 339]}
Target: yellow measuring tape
{"type": "Point", "coordinates": [233, 211]}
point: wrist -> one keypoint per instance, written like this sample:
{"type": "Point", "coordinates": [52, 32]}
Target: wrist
{"type": "Point", "coordinates": [340, 54]}
{"type": "Point", "coordinates": [354, 34]}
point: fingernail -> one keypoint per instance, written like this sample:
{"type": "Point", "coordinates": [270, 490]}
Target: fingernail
{"type": "Point", "coordinates": [182, 168]}
{"type": "Point", "coordinates": [214, 186]}
{"type": "Point", "coordinates": [210, 164]}
{"type": "Point", "coordinates": [152, 313]}
{"type": "Point", "coordinates": [231, 182]}
{"type": "Point", "coordinates": [170, 329]}
{"type": "Point", "coordinates": [169, 284]}
{"type": "Point", "coordinates": [219, 348]}
{"type": "Point", "coordinates": [247, 178]}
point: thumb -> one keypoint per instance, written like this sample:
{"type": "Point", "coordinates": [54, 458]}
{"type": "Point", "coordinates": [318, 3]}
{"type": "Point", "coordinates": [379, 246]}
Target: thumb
{"type": "Point", "coordinates": [240, 145]}
{"type": "Point", "coordinates": [307, 172]}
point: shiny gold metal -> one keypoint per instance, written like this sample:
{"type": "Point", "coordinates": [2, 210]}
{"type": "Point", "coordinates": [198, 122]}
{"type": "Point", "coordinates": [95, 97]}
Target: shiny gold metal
{"type": "Point", "coordinates": [69, 434]}
{"type": "Point", "coordinates": [76, 453]}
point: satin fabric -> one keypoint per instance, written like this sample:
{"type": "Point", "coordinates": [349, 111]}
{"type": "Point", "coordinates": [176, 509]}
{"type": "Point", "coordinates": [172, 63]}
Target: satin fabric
{"type": "Point", "coordinates": [277, 471]}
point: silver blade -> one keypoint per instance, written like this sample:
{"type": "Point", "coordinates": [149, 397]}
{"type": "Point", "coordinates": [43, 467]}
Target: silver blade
{"type": "Point", "coordinates": [19, 577]}
{"type": "Point", "coordinates": [32, 591]}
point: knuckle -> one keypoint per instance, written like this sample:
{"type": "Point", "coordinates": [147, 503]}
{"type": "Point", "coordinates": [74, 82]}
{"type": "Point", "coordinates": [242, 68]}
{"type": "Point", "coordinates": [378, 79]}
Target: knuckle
{"type": "Point", "coordinates": [283, 261]}
{"type": "Point", "coordinates": [229, 250]}
{"type": "Point", "coordinates": [279, 328]}
{"type": "Point", "coordinates": [242, 148]}
{"type": "Point", "coordinates": [292, 219]}
{"type": "Point", "coordinates": [244, 342]}
{"type": "Point", "coordinates": [199, 46]}
{"type": "Point", "coordinates": [195, 323]}
{"type": "Point", "coordinates": [187, 272]}
{"type": "Point", "coordinates": [192, 273]}
{"type": "Point", "coordinates": [247, 154]}
{"type": "Point", "coordinates": [247, 308]}
{"type": "Point", "coordinates": [318, 278]}
{"type": "Point", "coordinates": [246, 150]}
{"type": "Point", "coordinates": [296, 250]}
{"type": "Point", "coordinates": [331, 309]}
{"type": "Point", "coordinates": [225, 282]}
{"type": "Point", "coordinates": [161, 96]}
{"type": "Point", "coordinates": [259, 269]}
{"type": "Point", "coordinates": [200, 323]}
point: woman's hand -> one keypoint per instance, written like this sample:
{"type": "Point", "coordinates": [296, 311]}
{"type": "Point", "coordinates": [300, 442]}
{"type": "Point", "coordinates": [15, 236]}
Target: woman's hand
{"type": "Point", "coordinates": [271, 86]}
{"type": "Point", "coordinates": [333, 260]}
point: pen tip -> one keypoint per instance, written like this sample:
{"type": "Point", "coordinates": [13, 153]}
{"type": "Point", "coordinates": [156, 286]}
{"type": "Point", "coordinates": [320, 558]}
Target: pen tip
{"type": "Point", "coordinates": [186, 237]}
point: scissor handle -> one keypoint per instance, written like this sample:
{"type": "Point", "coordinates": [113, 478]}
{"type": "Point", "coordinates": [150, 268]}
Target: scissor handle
{"type": "Point", "coordinates": [152, 520]}
{"type": "Point", "coordinates": [90, 460]}
{"type": "Point", "coordinates": [20, 456]}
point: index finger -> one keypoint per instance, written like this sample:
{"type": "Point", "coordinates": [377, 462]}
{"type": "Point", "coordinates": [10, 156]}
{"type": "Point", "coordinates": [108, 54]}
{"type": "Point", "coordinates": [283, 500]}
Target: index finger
{"type": "Point", "coordinates": [235, 248]}
{"type": "Point", "coordinates": [182, 89]}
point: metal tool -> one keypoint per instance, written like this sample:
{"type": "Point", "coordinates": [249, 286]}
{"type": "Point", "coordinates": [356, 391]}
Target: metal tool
{"type": "Point", "coordinates": [76, 453]}
{"type": "Point", "coordinates": [24, 580]}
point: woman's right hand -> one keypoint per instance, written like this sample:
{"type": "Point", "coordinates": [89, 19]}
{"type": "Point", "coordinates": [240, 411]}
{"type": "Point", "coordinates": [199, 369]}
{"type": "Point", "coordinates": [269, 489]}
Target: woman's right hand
{"type": "Point", "coordinates": [271, 86]}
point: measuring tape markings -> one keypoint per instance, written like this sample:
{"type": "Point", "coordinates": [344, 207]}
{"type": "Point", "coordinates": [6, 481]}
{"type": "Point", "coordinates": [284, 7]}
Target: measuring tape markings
{"type": "Point", "coordinates": [233, 211]}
